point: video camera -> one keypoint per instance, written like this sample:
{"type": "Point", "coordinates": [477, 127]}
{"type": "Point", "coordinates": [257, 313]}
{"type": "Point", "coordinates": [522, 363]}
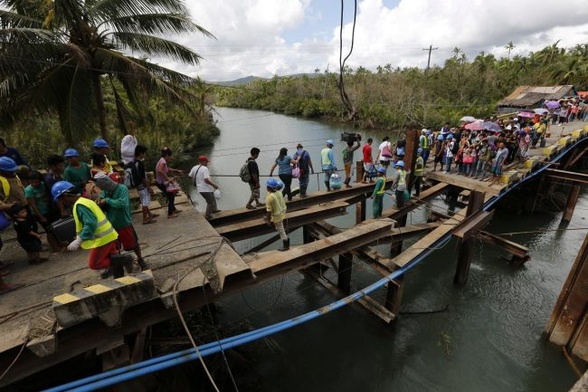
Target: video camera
{"type": "Point", "coordinates": [350, 137]}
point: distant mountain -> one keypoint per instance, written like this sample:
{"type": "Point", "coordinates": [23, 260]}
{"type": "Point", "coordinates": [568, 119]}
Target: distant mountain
{"type": "Point", "coordinates": [251, 78]}
{"type": "Point", "coordinates": [239, 81]}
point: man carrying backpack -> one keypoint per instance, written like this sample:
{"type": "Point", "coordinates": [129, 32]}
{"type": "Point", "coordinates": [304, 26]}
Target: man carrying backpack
{"type": "Point", "coordinates": [253, 173]}
{"type": "Point", "coordinates": [304, 163]}
{"type": "Point", "coordinates": [205, 186]}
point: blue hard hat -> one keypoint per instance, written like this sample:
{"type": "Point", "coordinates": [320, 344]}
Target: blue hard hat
{"type": "Point", "coordinates": [71, 152]}
{"type": "Point", "coordinates": [382, 170]}
{"type": "Point", "coordinates": [419, 151]}
{"type": "Point", "coordinates": [7, 164]}
{"type": "Point", "coordinates": [450, 136]}
{"type": "Point", "coordinates": [330, 141]}
{"type": "Point", "coordinates": [399, 163]}
{"type": "Point", "coordinates": [440, 137]}
{"type": "Point", "coordinates": [100, 143]}
{"type": "Point", "coordinates": [272, 183]}
{"type": "Point", "coordinates": [280, 185]}
{"type": "Point", "coordinates": [59, 188]}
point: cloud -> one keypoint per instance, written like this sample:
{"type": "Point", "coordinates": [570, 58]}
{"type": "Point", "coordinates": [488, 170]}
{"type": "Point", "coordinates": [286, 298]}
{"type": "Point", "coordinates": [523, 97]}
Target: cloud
{"type": "Point", "coordinates": [267, 37]}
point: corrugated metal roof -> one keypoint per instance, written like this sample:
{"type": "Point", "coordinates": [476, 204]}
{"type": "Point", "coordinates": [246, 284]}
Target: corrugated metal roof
{"type": "Point", "coordinates": [529, 96]}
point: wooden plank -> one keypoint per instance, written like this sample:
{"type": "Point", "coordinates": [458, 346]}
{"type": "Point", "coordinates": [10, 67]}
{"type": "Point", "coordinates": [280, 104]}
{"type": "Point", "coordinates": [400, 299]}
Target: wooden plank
{"type": "Point", "coordinates": [275, 263]}
{"type": "Point", "coordinates": [425, 243]}
{"type": "Point", "coordinates": [466, 183]}
{"type": "Point", "coordinates": [416, 202]}
{"type": "Point", "coordinates": [252, 228]}
{"type": "Point", "coordinates": [511, 247]}
{"type": "Point", "coordinates": [568, 176]}
{"type": "Point", "coordinates": [473, 225]}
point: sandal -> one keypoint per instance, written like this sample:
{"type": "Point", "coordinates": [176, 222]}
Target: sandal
{"type": "Point", "coordinates": [5, 264]}
{"type": "Point", "coordinates": [250, 207]}
{"type": "Point", "coordinates": [154, 216]}
{"type": "Point", "coordinates": [149, 221]}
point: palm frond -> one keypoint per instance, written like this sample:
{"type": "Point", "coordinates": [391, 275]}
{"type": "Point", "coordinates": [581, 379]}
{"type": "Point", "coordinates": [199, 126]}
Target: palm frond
{"type": "Point", "coordinates": [156, 23]}
{"type": "Point", "coordinates": [109, 9]}
{"type": "Point", "coordinates": [13, 19]}
{"type": "Point", "coordinates": [155, 46]}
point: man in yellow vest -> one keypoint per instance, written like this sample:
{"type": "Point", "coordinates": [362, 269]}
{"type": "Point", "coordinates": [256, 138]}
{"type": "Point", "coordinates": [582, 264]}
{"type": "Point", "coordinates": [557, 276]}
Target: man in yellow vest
{"type": "Point", "coordinates": [94, 231]}
{"type": "Point", "coordinates": [399, 184]}
{"type": "Point", "coordinates": [419, 172]}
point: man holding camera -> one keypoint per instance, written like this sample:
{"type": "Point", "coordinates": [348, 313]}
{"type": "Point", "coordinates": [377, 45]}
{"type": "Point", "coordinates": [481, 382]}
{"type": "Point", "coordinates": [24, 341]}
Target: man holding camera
{"type": "Point", "coordinates": [348, 156]}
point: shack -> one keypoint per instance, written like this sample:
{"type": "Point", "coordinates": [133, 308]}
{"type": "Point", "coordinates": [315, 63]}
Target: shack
{"type": "Point", "coordinates": [529, 97]}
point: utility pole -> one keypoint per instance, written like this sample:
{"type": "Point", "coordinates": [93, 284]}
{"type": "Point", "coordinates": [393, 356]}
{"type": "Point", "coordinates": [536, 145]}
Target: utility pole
{"type": "Point", "coordinates": [430, 49]}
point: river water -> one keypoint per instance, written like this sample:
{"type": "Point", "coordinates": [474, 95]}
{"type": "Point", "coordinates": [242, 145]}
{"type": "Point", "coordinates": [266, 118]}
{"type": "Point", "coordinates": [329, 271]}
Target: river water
{"type": "Point", "coordinates": [488, 339]}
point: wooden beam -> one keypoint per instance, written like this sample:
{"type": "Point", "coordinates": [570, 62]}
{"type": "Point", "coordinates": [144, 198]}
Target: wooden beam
{"type": "Point", "coordinates": [465, 183]}
{"type": "Point", "coordinates": [464, 259]}
{"type": "Point", "coordinates": [416, 202]}
{"type": "Point", "coordinates": [580, 178]}
{"type": "Point", "coordinates": [511, 247]}
{"type": "Point", "coordinates": [255, 227]}
{"type": "Point", "coordinates": [473, 225]}
{"type": "Point", "coordinates": [276, 263]}
{"type": "Point", "coordinates": [571, 203]}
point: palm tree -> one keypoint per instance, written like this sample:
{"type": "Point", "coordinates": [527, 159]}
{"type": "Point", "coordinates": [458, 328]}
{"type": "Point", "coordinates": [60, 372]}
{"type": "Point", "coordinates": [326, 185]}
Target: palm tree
{"type": "Point", "coordinates": [57, 56]}
{"type": "Point", "coordinates": [510, 46]}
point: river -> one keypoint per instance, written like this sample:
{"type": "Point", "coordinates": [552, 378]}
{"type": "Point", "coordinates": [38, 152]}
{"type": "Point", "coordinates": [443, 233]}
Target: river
{"type": "Point", "coordinates": [488, 339]}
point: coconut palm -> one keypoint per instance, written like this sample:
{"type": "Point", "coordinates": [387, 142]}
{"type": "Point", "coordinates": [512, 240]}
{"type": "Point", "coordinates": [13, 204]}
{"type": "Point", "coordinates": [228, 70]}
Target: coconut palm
{"type": "Point", "coordinates": [57, 56]}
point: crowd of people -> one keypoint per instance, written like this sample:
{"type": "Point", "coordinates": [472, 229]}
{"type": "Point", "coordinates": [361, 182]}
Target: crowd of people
{"type": "Point", "coordinates": [91, 197]}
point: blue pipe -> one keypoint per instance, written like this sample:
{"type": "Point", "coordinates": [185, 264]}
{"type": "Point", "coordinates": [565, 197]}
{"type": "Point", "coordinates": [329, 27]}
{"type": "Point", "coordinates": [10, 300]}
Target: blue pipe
{"type": "Point", "coordinates": [156, 364]}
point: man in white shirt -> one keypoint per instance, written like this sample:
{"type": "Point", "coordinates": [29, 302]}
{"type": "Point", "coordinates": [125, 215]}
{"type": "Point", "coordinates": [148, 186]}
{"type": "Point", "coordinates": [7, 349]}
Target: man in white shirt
{"type": "Point", "coordinates": [204, 185]}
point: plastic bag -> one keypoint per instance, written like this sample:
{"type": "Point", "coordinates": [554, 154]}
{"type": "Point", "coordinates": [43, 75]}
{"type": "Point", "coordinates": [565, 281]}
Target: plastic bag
{"type": "Point", "coordinates": [296, 172]}
{"type": "Point", "coordinates": [217, 194]}
{"type": "Point", "coordinates": [172, 187]}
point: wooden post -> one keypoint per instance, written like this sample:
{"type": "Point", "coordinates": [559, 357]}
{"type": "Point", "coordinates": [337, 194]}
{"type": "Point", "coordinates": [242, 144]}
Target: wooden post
{"type": "Point", "coordinates": [394, 296]}
{"type": "Point", "coordinates": [396, 245]}
{"type": "Point", "coordinates": [568, 324]}
{"type": "Point", "coordinates": [467, 247]}
{"type": "Point", "coordinates": [306, 236]}
{"type": "Point", "coordinates": [410, 153]}
{"type": "Point", "coordinates": [571, 204]}
{"type": "Point", "coordinates": [359, 171]}
{"type": "Point", "coordinates": [344, 272]}
{"type": "Point", "coordinates": [360, 211]}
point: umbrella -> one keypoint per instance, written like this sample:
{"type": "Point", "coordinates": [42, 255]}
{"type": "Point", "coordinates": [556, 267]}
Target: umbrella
{"type": "Point", "coordinates": [541, 110]}
{"type": "Point", "coordinates": [552, 104]}
{"type": "Point", "coordinates": [467, 119]}
{"type": "Point", "coordinates": [475, 126]}
{"type": "Point", "coordinates": [491, 126]}
{"type": "Point", "coordinates": [527, 114]}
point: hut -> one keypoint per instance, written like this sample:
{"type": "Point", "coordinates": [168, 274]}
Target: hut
{"type": "Point", "coordinates": [529, 97]}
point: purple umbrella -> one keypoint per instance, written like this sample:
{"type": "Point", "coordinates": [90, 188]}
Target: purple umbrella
{"type": "Point", "coordinates": [526, 114]}
{"type": "Point", "coordinates": [541, 110]}
{"type": "Point", "coordinates": [491, 126]}
{"type": "Point", "coordinates": [552, 104]}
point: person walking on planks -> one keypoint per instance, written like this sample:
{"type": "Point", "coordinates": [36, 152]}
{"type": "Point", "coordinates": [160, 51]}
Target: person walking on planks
{"type": "Point", "coordinates": [254, 185]}
{"type": "Point", "coordinates": [304, 163]}
{"type": "Point", "coordinates": [379, 191]}
{"type": "Point", "coordinates": [276, 211]}
{"type": "Point", "coordinates": [419, 172]}
{"type": "Point", "coordinates": [328, 163]}
{"type": "Point", "coordinates": [204, 185]}
{"type": "Point", "coordinates": [399, 184]}
{"type": "Point", "coordinates": [348, 159]}
{"type": "Point", "coordinates": [93, 230]}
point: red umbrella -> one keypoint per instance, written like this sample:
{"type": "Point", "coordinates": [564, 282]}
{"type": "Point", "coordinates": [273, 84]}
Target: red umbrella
{"type": "Point", "coordinates": [475, 126]}
{"type": "Point", "coordinates": [526, 114]}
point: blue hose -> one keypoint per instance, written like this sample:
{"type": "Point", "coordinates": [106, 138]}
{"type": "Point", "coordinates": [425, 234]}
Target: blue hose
{"type": "Point", "coordinates": [119, 375]}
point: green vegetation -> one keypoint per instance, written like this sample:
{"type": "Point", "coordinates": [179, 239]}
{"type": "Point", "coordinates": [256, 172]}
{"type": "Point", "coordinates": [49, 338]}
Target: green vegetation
{"type": "Point", "coordinates": [67, 76]}
{"type": "Point", "coordinates": [411, 97]}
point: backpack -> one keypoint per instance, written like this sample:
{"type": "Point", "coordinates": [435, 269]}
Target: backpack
{"type": "Point", "coordinates": [131, 176]}
{"type": "Point", "coordinates": [303, 161]}
{"type": "Point", "coordinates": [244, 172]}
{"type": "Point", "coordinates": [455, 148]}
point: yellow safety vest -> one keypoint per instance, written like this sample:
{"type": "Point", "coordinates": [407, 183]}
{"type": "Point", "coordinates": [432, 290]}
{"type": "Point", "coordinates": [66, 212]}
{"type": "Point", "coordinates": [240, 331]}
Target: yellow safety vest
{"type": "Point", "coordinates": [424, 141]}
{"type": "Point", "coordinates": [6, 186]}
{"type": "Point", "coordinates": [402, 177]}
{"type": "Point", "coordinates": [104, 232]}
{"type": "Point", "coordinates": [325, 156]}
{"type": "Point", "coordinates": [419, 167]}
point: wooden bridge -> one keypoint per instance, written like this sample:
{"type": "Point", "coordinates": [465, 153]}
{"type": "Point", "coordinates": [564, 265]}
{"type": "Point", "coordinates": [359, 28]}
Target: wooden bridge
{"type": "Point", "coordinates": [64, 309]}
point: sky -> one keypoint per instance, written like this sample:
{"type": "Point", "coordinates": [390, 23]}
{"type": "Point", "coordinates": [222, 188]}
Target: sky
{"type": "Point", "coordinates": [282, 37]}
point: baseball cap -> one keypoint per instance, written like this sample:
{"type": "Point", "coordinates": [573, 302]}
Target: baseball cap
{"type": "Point", "coordinates": [203, 158]}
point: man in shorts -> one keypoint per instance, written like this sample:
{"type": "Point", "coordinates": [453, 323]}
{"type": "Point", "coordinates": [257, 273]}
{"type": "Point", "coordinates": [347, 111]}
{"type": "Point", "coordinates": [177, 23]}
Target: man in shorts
{"type": "Point", "coordinates": [204, 185]}
{"type": "Point", "coordinates": [115, 199]}
{"type": "Point", "coordinates": [254, 181]}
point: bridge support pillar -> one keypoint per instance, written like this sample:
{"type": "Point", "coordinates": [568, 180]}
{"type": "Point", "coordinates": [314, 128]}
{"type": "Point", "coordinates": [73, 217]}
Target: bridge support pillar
{"type": "Point", "coordinates": [344, 272]}
{"type": "Point", "coordinates": [360, 211]}
{"type": "Point", "coordinates": [466, 249]}
{"type": "Point", "coordinates": [396, 245]}
{"type": "Point", "coordinates": [568, 323]}
{"type": "Point", "coordinates": [394, 294]}
{"type": "Point", "coordinates": [571, 203]}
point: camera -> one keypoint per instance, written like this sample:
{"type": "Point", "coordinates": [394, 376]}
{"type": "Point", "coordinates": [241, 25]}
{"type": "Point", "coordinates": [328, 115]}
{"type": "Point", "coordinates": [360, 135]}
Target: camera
{"type": "Point", "coordinates": [350, 137]}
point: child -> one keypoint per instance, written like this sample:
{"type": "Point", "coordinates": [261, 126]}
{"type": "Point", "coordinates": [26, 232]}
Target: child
{"type": "Point", "coordinates": [37, 195]}
{"type": "Point", "coordinates": [379, 192]}
{"type": "Point", "coordinates": [76, 172]}
{"type": "Point", "coordinates": [27, 233]}
{"type": "Point", "coordinates": [276, 211]}
{"type": "Point", "coordinates": [143, 185]}
{"type": "Point", "coordinates": [468, 160]}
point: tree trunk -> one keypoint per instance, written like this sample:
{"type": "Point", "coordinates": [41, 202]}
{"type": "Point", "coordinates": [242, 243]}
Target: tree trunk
{"type": "Point", "coordinates": [100, 104]}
